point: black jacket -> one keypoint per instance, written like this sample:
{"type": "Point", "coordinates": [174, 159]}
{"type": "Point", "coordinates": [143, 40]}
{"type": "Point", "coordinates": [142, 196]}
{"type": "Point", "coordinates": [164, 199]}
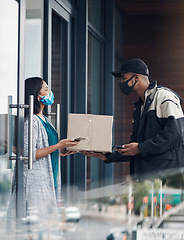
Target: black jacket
{"type": "Point", "coordinates": [159, 130]}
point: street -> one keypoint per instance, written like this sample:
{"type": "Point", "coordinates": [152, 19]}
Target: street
{"type": "Point", "coordinates": [91, 229]}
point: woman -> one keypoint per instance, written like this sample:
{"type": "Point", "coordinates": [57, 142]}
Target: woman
{"type": "Point", "coordinates": [42, 183]}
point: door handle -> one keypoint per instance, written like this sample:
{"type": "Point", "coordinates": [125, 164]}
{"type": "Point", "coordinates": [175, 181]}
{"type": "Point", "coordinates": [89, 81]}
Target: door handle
{"type": "Point", "coordinates": [30, 133]}
{"type": "Point", "coordinates": [57, 118]}
{"type": "Point", "coordinates": [9, 143]}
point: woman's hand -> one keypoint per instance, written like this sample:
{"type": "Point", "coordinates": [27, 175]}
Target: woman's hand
{"type": "Point", "coordinates": [95, 154]}
{"type": "Point", "coordinates": [64, 143]}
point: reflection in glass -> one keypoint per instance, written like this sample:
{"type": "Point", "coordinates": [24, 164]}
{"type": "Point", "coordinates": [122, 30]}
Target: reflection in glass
{"type": "Point", "coordinates": [131, 209]}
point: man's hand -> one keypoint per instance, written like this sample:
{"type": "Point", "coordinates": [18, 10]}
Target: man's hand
{"type": "Point", "coordinates": [65, 152]}
{"type": "Point", "coordinates": [129, 149]}
{"type": "Point", "coordinates": [94, 154]}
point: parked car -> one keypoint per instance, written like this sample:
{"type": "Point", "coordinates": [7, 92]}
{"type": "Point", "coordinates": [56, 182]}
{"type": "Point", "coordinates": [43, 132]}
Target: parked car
{"type": "Point", "coordinates": [72, 214]}
{"type": "Point", "coordinates": [119, 233]}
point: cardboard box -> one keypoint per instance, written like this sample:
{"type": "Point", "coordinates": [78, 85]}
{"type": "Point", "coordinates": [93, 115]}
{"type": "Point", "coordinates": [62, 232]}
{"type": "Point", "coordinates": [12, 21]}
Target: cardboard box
{"type": "Point", "coordinates": [96, 129]}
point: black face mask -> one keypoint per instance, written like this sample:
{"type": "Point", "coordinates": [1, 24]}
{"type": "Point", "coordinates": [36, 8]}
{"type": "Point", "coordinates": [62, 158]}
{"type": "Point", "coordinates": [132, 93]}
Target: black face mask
{"type": "Point", "coordinates": [125, 88]}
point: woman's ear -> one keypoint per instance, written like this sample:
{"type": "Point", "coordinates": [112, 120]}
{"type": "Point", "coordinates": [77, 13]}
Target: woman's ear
{"type": "Point", "coordinates": [38, 97]}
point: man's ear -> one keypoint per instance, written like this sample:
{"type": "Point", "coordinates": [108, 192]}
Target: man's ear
{"type": "Point", "coordinates": [136, 79]}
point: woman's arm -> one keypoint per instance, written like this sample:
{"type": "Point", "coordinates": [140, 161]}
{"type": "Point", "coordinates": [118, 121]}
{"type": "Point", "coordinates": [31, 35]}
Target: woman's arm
{"type": "Point", "coordinates": [62, 144]}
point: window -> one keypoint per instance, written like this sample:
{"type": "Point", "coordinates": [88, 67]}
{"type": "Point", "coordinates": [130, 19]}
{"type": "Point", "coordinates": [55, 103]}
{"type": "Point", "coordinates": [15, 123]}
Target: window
{"type": "Point", "coordinates": [96, 14]}
{"type": "Point", "coordinates": [95, 78]}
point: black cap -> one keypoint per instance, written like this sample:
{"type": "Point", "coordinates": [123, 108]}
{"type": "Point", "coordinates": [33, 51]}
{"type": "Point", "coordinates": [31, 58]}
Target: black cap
{"type": "Point", "coordinates": [135, 65]}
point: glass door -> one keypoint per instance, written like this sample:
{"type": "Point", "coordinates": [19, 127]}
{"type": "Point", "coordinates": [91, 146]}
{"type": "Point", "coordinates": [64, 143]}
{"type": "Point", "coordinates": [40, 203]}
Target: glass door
{"type": "Point", "coordinates": [8, 87]}
{"type": "Point", "coordinates": [60, 74]}
{"type": "Point", "coordinates": [11, 118]}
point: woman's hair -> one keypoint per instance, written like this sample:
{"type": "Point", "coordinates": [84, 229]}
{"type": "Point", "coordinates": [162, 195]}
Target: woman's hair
{"type": "Point", "coordinates": [33, 86]}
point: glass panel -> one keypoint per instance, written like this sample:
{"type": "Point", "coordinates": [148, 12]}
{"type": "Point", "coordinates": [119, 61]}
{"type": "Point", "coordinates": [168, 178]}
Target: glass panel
{"type": "Point", "coordinates": [136, 209]}
{"type": "Point", "coordinates": [8, 87]}
{"type": "Point", "coordinates": [33, 38]}
{"type": "Point", "coordinates": [59, 82]}
{"type": "Point", "coordinates": [73, 2]}
{"type": "Point", "coordinates": [122, 127]}
{"type": "Point", "coordinates": [96, 14]}
{"type": "Point", "coordinates": [59, 68]}
{"type": "Point", "coordinates": [94, 103]}
{"type": "Point", "coordinates": [95, 69]}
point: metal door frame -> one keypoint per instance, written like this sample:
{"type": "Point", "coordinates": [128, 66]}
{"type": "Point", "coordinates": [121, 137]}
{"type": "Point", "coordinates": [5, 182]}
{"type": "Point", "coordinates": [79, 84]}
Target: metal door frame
{"type": "Point", "coordinates": [20, 111]}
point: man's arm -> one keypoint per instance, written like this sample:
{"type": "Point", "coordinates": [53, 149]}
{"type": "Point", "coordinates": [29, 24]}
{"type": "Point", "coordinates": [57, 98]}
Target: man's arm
{"type": "Point", "coordinates": [108, 157]}
{"type": "Point", "coordinates": [117, 157]}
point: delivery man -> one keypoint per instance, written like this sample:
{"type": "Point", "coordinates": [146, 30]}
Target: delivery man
{"type": "Point", "coordinates": [157, 139]}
